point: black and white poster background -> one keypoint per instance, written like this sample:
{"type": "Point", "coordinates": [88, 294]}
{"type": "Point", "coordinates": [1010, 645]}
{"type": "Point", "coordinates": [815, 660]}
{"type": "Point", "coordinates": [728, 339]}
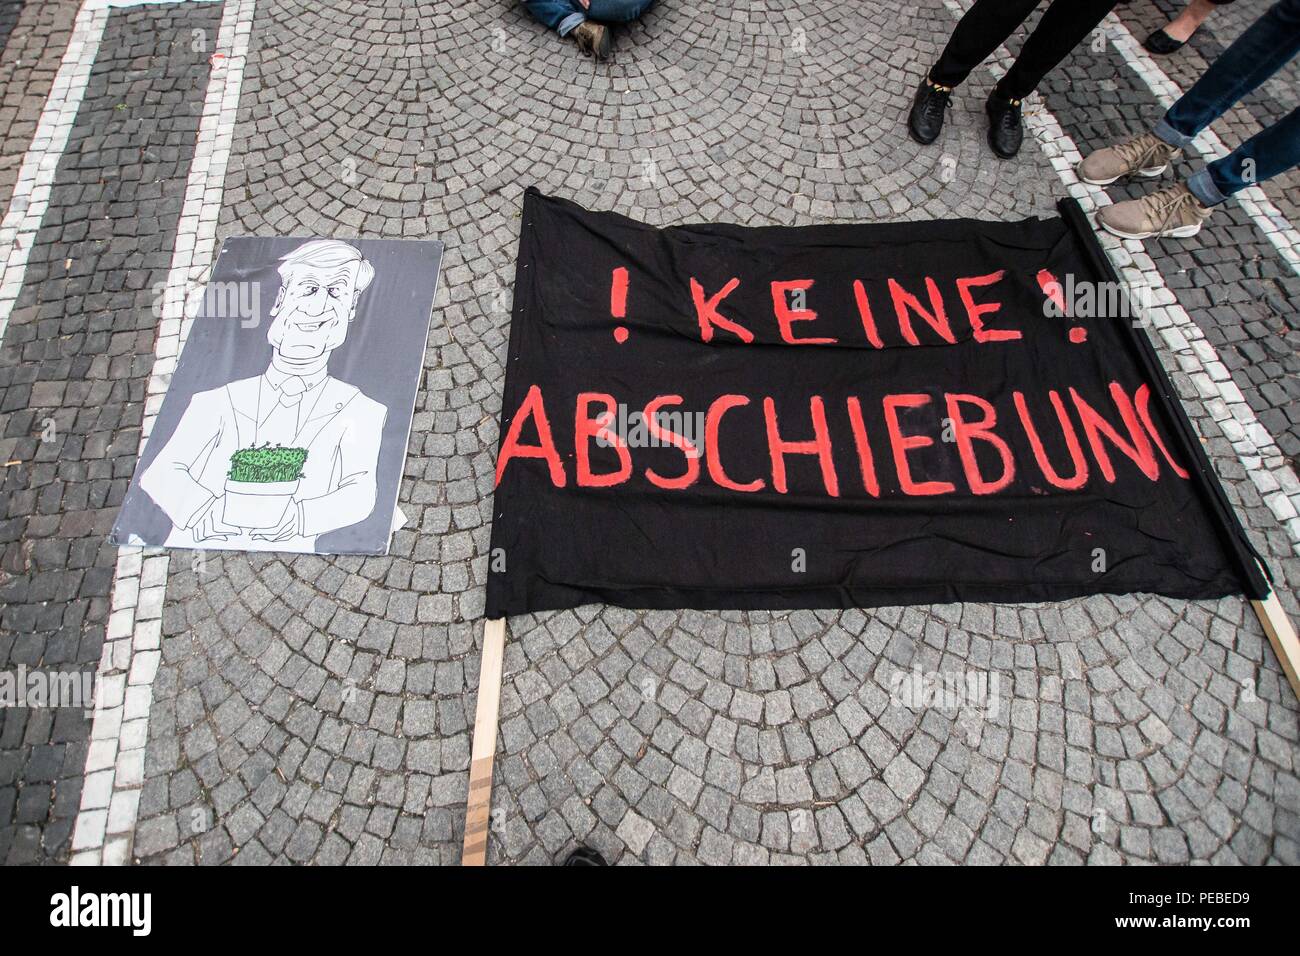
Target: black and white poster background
{"type": "Point", "coordinates": [223, 382]}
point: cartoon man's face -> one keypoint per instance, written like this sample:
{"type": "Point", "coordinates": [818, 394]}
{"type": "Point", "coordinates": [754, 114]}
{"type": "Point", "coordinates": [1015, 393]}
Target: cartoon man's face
{"type": "Point", "coordinates": [312, 311]}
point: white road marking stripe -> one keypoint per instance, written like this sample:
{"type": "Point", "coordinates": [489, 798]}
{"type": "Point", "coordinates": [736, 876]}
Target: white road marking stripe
{"type": "Point", "coordinates": [132, 645]}
{"type": "Point", "coordinates": [118, 4]}
{"type": "Point", "coordinates": [31, 193]}
{"type": "Point", "coordinates": [1185, 345]}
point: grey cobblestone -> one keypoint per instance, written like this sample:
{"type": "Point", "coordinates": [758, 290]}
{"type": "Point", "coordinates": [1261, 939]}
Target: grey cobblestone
{"type": "Point", "coordinates": [313, 709]}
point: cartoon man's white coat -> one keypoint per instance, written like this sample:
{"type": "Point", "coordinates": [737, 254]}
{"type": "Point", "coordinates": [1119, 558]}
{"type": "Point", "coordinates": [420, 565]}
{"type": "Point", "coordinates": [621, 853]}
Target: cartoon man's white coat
{"type": "Point", "coordinates": [295, 403]}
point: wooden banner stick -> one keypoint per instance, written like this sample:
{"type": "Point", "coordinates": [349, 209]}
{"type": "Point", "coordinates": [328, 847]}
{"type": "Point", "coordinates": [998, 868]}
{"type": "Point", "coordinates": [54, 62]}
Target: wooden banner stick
{"type": "Point", "coordinates": [1281, 634]}
{"type": "Point", "coordinates": [478, 807]}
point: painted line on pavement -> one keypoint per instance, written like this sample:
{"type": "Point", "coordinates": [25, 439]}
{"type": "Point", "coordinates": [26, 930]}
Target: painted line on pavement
{"type": "Point", "coordinates": [31, 193]}
{"type": "Point", "coordinates": [114, 775]}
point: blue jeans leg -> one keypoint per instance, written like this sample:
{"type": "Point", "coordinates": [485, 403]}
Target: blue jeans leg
{"type": "Point", "coordinates": [1267, 153]}
{"type": "Point", "coordinates": [1257, 54]}
{"type": "Point", "coordinates": [560, 15]}
{"type": "Point", "coordinates": [618, 11]}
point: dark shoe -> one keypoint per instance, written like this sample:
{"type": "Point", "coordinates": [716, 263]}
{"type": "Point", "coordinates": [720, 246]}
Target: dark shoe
{"type": "Point", "coordinates": [584, 856]}
{"type": "Point", "coordinates": [1006, 131]}
{"type": "Point", "coordinates": [925, 122]}
{"type": "Point", "coordinates": [1162, 43]}
{"type": "Point", "coordinates": [593, 39]}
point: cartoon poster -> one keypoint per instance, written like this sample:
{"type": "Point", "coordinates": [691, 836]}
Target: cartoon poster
{"type": "Point", "coordinates": [286, 422]}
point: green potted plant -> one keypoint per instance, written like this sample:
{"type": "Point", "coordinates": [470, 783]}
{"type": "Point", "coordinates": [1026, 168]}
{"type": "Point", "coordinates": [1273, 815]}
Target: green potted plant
{"type": "Point", "coordinates": [261, 484]}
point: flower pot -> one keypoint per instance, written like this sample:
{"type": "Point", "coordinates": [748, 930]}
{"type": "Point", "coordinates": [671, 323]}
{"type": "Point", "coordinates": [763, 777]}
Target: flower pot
{"type": "Point", "coordinates": [257, 504]}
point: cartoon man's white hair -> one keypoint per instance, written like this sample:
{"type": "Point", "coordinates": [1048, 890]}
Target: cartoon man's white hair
{"type": "Point", "coordinates": [324, 253]}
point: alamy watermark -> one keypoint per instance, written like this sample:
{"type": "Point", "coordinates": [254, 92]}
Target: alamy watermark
{"type": "Point", "coordinates": [631, 429]}
{"type": "Point", "coordinates": [38, 688]}
{"type": "Point", "coordinates": [78, 908]}
{"type": "Point", "coordinates": [1085, 299]}
{"type": "Point", "coordinates": [216, 300]}
{"type": "Point", "coordinates": [947, 691]}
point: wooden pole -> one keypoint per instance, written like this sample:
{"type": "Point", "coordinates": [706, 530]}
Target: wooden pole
{"type": "Point", "coordinates": [478, 807]}
{"type": "Point", "coordinates": [1281, 634]}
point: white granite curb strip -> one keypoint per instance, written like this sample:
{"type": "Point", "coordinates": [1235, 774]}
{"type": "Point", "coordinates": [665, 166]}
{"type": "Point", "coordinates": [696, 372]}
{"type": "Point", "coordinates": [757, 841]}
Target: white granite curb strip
{"type": "Point", "coordinates": [110, 797]}
{"type": "Point", "coordinates": [31, 194]}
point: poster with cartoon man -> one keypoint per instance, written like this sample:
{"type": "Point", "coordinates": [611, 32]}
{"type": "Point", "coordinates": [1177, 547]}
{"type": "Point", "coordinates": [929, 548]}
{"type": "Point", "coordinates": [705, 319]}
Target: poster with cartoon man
{"type": "Point", "coordinates": [286, 422]}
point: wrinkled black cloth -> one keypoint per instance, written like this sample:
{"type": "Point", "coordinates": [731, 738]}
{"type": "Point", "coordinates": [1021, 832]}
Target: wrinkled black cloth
{"type": "Point", "coordinates": [945, 524]}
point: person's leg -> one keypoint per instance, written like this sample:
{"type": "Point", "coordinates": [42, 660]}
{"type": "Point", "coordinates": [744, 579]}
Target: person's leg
{"type": "Point", "coordinates": [1256, 55]}
{"type": "Point", "coordinates": [1263, 156]}
{"type": "Point", "coordinates": [1187, 22]}
{"type": "Point", "coordinates": [618, 11]}
{"type": "Point", "coordinates": [559, 15]}
{"type": "Point", "coordinates": [986, 25]}
{"type": "Point", "coordinates": [1063, 26]}
{"type": "Point", "coordinates": [1267, 46]}
{"type": "Point", "coordinates": [1179, 30]}
{"type": "Point", "coordinates": [1180, 210]}
{"type": "Point", "coordinates": [569, 19]}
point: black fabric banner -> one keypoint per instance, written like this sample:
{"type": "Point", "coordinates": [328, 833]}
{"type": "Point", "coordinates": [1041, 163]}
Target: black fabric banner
{"type": "Point", "coordinates": [717, 416]}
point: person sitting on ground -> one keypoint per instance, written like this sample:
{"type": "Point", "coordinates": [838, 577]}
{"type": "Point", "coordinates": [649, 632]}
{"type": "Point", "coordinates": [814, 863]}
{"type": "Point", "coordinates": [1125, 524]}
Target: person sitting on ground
{"type": "Point", "coordinates": [1178, 211]}
{"type": "Point", "coordinates": [982, 30]}
{"type": "Point", "coordinates": [587, 21]}
{"type": "Point", "coordinates": [1179, 30]}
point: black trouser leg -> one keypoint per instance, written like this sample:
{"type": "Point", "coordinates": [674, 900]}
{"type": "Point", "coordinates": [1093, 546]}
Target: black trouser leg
{"type": "Point", "coordinates": [985, 26]}
{"type": "Point", "coordinates": [1063, 27]}
{"type": "Point", "coordinates": [989, 23]}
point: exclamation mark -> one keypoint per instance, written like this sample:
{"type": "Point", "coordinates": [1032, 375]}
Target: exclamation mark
{"type": "Point", "coordinates": [618, 302]}
{"type": "Point", "coordinates": [1052, 289]}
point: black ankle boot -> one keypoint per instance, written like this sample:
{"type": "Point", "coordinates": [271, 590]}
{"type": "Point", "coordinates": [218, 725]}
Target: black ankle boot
{"type": "Point", "coordinates": [926, 119]}
{"type": "Point", "coordinates": [1006, 130]}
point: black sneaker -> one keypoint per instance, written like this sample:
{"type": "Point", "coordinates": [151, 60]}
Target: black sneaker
{"type": "Point", "coordinates": [1006, 130]}
{"type": "Point", "coordinates": [925, 122]}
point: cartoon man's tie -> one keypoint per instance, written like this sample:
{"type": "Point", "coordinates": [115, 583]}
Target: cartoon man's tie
{"type": "Point", "coordinates": [291, 390]}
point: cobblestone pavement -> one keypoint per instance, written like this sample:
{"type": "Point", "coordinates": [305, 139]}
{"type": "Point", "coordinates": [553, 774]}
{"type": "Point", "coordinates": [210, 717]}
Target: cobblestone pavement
{"type": "Point", "coordinates": [33, 37]}
{"type": "Point", "coordinates": [315, 709]}
{"type": "Point", "coordinates": [76, 354]}
{"type": "Point", "coordinates": [9, 11]}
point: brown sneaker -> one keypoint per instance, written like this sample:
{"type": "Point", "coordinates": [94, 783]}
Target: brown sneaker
{"type": "Point", "coordinates": [593, 39]}
{"type": "Point", "coordinates": [1173, 212]}
{"type": "Point", "coordinates": [1147, 155]}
